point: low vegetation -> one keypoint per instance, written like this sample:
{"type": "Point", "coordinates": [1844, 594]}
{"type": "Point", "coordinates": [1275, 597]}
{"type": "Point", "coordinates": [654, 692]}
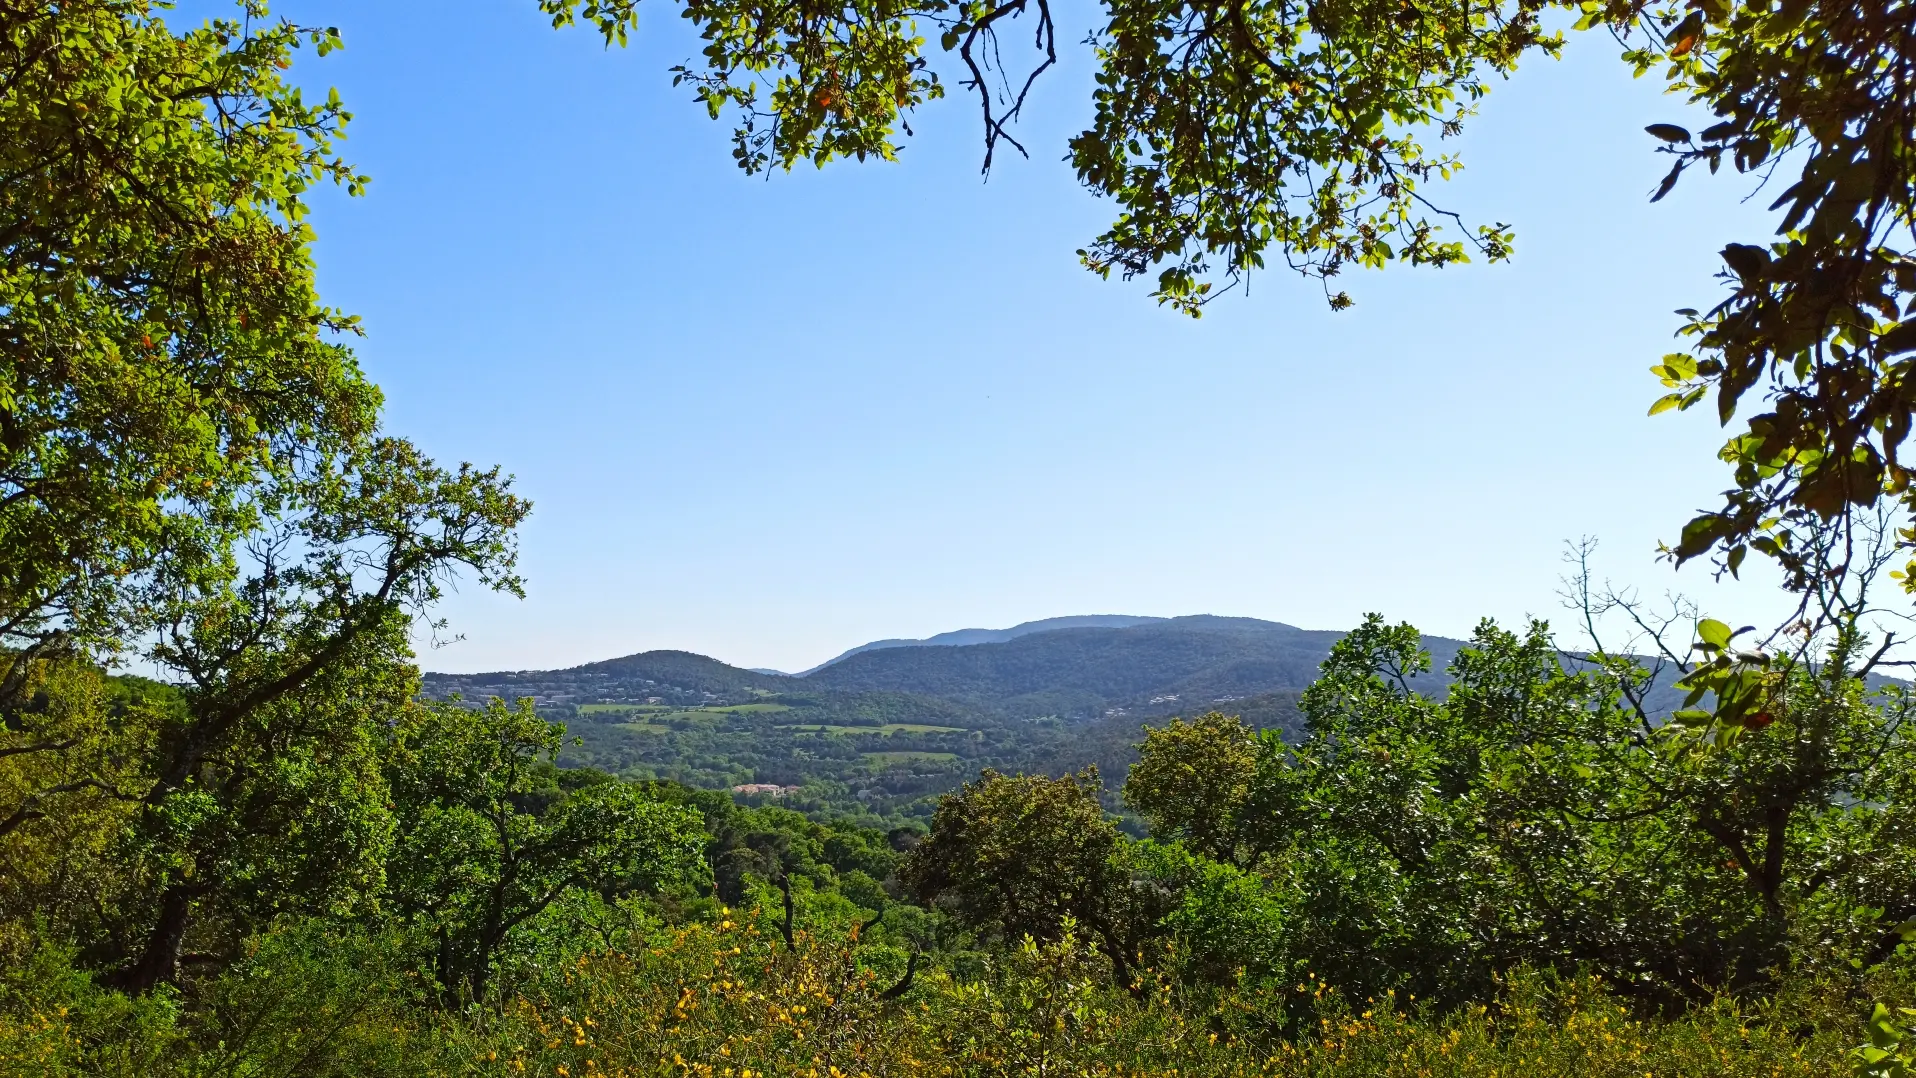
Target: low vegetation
{"type": "Point", "coordinates": [731, 998]}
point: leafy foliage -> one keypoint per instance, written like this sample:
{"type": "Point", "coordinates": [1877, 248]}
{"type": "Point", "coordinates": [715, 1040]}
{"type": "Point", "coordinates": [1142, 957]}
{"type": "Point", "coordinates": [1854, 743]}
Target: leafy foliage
{"type": "Point", "coordinates": [732, 994]}
{"type": "Point", "coordinates": [1887, 1055]}
{"type": "Point", "coordinates": [283, 860]}
{"type": "Point", "coordinates": [1531, 820]}
{"type": "Point", "coordinates": [480, 852]}
{"type": "Point", "coordinates": [164, 350]}
{"type": "Point", "coordinates": [1029, 857]}
{"type": "Point", "coordinates": [1195, 782]}
{"type": "Point", "coordinates": [1813, 318]}
{"type": "Point", "coordinates": [192, 476]}
{"type": "Point", "coordinates": [1222, 132]}
{"type": "Point", "coordinates": [1536, 816]}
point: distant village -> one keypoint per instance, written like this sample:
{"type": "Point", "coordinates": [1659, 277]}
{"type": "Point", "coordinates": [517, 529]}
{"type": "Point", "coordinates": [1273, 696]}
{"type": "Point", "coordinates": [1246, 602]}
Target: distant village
{"type": "Point", "coordinates": [767, 788]}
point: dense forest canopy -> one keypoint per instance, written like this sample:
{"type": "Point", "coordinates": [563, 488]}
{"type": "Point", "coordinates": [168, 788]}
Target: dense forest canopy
{"type": "Point", "coordinates": [281, 857]}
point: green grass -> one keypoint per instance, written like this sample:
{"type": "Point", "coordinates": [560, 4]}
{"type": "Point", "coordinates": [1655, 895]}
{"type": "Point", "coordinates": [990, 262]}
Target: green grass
{"type": "Point", "coordinates": [887, 729]}
{"type": "Point", "coordinates": [642, 727]}
{"type": "Point", "coordinates": [668, 711]}
{"type": "Point", "coordinates": [888, 758]}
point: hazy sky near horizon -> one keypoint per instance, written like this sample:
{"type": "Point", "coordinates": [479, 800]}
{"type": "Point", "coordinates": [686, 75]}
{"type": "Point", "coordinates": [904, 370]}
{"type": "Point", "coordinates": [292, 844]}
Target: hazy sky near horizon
{"type": "Point", "coordinates": [769, 420]}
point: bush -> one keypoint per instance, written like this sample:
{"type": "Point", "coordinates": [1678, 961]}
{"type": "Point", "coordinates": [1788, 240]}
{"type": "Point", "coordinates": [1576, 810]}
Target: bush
{"type": "Point", "coordinates": [307, 1003]}
{"type": "Point", "coordinates": [56, 1023]}
{"type": "Point", "coordinates": [731, 1000]}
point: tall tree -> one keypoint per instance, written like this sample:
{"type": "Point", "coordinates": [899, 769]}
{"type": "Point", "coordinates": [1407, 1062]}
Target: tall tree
{"type": "Point", "coordinates": [479, 855]}
{"type": "Point", "coordinates": [1025, 855]}
{"type": "Point", "coordinates": [162, 349]}
{"type": "Point", "coordinates": [192, 474]}
{"type": "Point", "coordinates": [267, 795]}
{"type": "Point", "coordinates": [1194, 781]}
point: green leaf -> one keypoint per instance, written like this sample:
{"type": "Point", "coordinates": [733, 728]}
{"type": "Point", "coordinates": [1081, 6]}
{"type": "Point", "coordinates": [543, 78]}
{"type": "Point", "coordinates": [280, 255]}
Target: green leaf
{"type": "Point", "coordinates": [1900, 339]}
{"type": "Point", "coordinates": [1669, 132]}
{"type": "Point", "coordinates": [1677, 366]}
{"type": "Point", "coordinates": [1713, 633]}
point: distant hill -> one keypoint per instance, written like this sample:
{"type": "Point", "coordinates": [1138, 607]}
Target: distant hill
{"type": "Point", "coordinates": [963, 637]}
{"type": "Point", "coordinates": [1075, 669]}
{"type": "Point", "coordinates": [674, 677]}
{"type": "Point", "coordinates": [887, 726]}
{"type": "Point", "coordinates": [1194, 663]}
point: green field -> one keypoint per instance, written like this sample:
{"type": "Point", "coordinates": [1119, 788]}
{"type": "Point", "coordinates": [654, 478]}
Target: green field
{"type": "Point", "coordinates": [885, 759]}
{"type": "Point", "coordinates": [888, 728]}
{"type": "Point", "coordinates": [666, 712]}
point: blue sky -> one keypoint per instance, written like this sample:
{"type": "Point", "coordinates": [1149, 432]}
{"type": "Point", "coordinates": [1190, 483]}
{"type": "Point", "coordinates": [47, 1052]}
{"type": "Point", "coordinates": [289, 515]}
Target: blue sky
{"type": "Point", "coordinates": [768, 420]}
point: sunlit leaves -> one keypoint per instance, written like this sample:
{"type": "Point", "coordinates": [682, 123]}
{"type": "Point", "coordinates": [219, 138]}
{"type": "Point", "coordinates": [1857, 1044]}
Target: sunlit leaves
{"type": "Point", "coordinates": [162, 348]}
{"type": "Point", "coordinates": [1230, 133]}
{"type": "Point", "coordinates": [1891, 1051]}
{"type": "Point", "coordinates": [1813, 323]}
{"type": "Point", "coordinates": [192, 471]}
{"type": "Point", "coordinates": [478, 857]}
{"type": "Point", "coordinates": [805, 81]}
{"type": "Point", "coordinates": [1743, 687]}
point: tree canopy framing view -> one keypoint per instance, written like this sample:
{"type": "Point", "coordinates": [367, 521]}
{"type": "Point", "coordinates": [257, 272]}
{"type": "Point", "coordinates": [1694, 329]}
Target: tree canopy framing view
{"type": "Point", "coordinates": [279, 848]}
{"type": "Point", "coordinates": [1225, 133]}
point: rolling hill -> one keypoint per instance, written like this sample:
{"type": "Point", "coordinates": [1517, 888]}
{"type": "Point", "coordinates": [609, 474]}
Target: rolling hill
{"type": "Point", "coordinates": [886, 726]}
{"type": "Point", "coordinates": [673, 677]}
{"type": "Point", "coordinates": [1197, 663]}
{"type": "Point", "coordinates": [961, 637]}
{"type": "Point", "coordinates": [1062, 668]}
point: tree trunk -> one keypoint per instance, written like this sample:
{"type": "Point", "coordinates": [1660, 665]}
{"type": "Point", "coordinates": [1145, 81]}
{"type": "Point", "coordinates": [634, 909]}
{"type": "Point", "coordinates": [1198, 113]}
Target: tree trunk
{"type": "Point", "coordinates": [160, 963]}
{"type": "Point", "coordinates": [1120, 960]}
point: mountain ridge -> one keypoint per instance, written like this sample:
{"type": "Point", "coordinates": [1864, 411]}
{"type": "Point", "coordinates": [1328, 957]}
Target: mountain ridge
{"type": "Point", "coordinates": [966, 637]}
{"type": "Point", "coordinates": [887, 729]}
{"type": "Point", "coordinates": [1082, 673]}
{"type": "Point", "coordinates": [1075, 668]}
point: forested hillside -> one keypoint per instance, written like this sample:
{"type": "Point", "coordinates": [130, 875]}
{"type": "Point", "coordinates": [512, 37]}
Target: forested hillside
{"type": "Point", "coordinates": [1080, 673]}
{"type": "Point", "coordinates": [993, 636]}
{"type": "Point", "coordinates": [1071, 672]}
{"type": "Point", "coordinates": [885, 730]}
{"type": "Point", "coordinates": [882, 730]}
{"type": "Point", "coordinates": [1520, 874]}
